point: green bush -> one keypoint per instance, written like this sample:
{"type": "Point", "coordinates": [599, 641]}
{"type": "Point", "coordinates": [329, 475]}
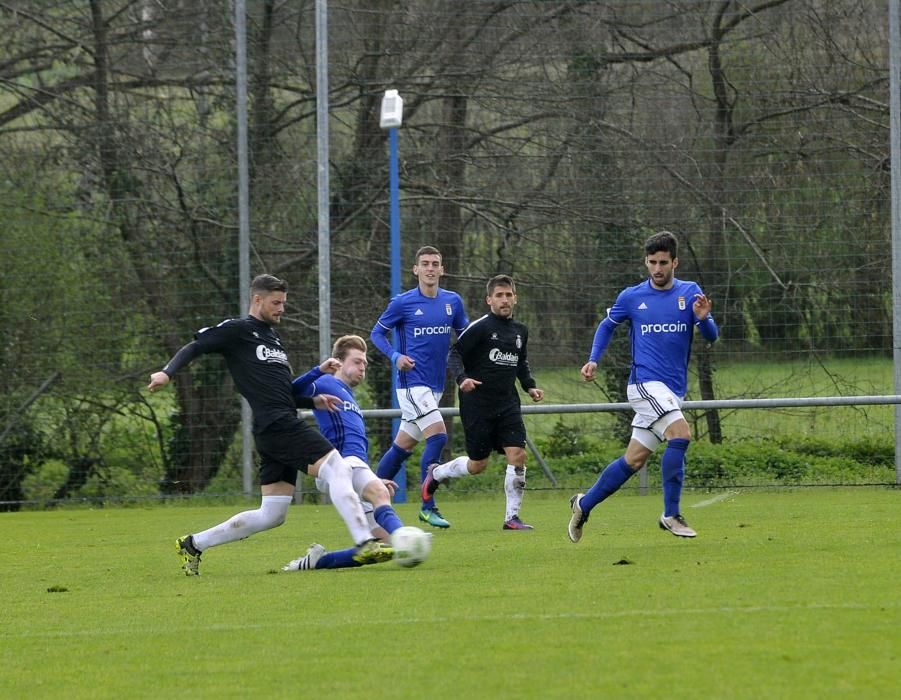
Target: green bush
{"type": "Point", "coordinates": [786, 461]}
{"type": "Point", "coordinates": [42, 484]}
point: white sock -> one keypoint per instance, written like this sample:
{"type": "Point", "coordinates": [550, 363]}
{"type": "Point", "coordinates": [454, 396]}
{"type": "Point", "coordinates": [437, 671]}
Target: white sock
{"type": "Point", "coordinates": [338, 474]}
{"type": "Point", "coordinates": [270, 514]}
{"type": "Point", "coordinates": [452, 470]}
{"type": "Point", "coordinates": [514, 485]}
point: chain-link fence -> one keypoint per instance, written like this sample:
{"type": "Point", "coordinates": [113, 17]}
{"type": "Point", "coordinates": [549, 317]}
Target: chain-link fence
{"type": "Point", "coordinates": [541, 139]}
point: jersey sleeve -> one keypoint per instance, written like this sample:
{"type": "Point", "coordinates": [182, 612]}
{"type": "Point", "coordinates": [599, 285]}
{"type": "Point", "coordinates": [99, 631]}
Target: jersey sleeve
{"type": "Point", "coordinates": [217, 338]}
{"type": "Point", "coordinates": [523, 371]}
{"type": "Point", "coordinates": [305, 384]}
{"type": "Point", "coordinates": [206, 340]}
{"type": "Point", "coordinates": [390, 317]}
{"type": "Point", "coordinates": [467, 341]}
{"type": "Point", "coordinates": [616, 314]}
{"type": "Point", "coordinates": [460, 320]}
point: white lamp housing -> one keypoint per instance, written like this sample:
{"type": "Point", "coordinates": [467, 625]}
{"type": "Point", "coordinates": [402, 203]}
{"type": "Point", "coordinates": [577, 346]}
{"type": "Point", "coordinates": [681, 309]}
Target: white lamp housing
{"type": "Point", "coordinates": [392, 110]}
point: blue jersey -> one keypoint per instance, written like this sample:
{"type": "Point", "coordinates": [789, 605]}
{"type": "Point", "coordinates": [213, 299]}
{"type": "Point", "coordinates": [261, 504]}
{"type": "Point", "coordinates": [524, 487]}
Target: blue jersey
{"type": "Point", "coordinates": [662, 325]}
{"type": "Point", "coordinates": [343, 428]}
{"type": "Point", "coordinates": [422, 330]}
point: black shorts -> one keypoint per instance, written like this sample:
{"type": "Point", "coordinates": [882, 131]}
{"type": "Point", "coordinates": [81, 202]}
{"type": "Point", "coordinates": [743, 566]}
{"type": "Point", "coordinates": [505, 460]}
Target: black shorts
{"type": "Point", "coordinates": [491, 428]}
{"type": "Point", "coordinates": [287, 445]}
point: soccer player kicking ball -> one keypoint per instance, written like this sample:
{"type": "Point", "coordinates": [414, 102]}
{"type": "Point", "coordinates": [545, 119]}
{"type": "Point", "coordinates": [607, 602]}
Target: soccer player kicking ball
{"type": "Point", "coordinates": [346, 430]}
{"type": "Point", "coordinates": [487, 359]}
{"type": "Point", "coordinates": [259, 366]}
{"type": "Point", "coordinates": [663, 313]}
{"type": "Point", "coordinates": [422, 320]}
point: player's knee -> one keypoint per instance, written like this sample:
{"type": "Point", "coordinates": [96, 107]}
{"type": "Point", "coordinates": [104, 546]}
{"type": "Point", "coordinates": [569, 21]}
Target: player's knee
{"type": "Point", "coordinates": [476, 466]}
{"type": "Point", "coordinates": [334, 468]}
{"type": "Point", "coordinates": [516, 456]}
{"type": "Point", "coordinates": [637, 464]}
{"type": "Point", "coordinates": [376, 493]}
{"type": "Point", "coordinates": [273, 511]}
{"type": "Point", "coordinates": [680, 430]}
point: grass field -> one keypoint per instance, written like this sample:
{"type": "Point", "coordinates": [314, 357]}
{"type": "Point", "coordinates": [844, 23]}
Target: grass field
{"type": "Point", "coordinates": [789, 594]}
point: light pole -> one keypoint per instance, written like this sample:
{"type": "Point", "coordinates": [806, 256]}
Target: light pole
{"type": "Point", "coordinates": [391, 116]}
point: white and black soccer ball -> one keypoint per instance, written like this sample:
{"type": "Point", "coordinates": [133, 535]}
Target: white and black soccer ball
{"type": "Point", "coordinates": [411, 546]}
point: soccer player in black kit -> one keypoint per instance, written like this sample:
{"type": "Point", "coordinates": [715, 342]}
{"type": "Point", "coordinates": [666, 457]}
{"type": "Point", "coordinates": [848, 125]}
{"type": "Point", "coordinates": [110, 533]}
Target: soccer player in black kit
{"type": "Point", "coordinates": [487, 359]}
{"type": "Point", "coordinates": [259, 366]}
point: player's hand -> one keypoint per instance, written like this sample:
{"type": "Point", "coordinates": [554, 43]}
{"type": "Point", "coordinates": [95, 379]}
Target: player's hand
{"type": "Point", "coordinates": [391, 486]}
{"type": "Point", "coordinates": [327, 402]}
{"type": "Point", "coordinates": [157, 379]}
{"type": "Point", "coordinates": [588, 371]}
{"type": "Point", "coordinates": [536, 394]}
{"type": "Point", "coordinates": [330, 366]}
{"type": "Point", "coordinates": [469, 384]}
{"type": "Point", "coordinates": [405, 363]}
{"type": "Point", "coordinates": [701, 307]}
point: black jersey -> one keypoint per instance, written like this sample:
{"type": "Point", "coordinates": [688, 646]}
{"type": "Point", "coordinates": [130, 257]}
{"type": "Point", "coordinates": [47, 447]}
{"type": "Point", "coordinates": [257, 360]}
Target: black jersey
{"type": "Point", "coordinates": [256, 360]}
{"type": "Point", "coordinates": [492, 350]}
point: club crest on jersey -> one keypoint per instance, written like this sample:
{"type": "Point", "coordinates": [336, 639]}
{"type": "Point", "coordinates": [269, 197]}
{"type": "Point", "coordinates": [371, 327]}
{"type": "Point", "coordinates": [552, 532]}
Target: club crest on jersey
{"type": "Point", "coordinates": [448, 309]}
{"type": "Point", "coordinates": [681, 303]}
{"type": "Point", "coordinates": [518, 342]}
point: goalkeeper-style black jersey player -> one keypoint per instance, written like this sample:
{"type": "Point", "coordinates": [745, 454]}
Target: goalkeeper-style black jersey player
{"type": "Point", "coordinates": [487, 359]}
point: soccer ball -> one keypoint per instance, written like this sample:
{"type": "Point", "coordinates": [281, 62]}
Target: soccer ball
{"type": "Point", "coordinates": [411, 546]}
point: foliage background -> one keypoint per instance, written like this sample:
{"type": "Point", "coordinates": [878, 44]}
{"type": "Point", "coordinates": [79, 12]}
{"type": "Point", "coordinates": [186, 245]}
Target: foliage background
{"type": "Point", "coordinates": [541, 139]}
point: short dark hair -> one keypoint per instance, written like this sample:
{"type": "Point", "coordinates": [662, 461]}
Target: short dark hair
{"type": "Point", "coordinates": [427, 250]}
{"type": "Point", "coordinates": [265, 284]}
{"type": "Point", "coordinates": [500, 281]}
{"type": "Point", "coordinates": [662, 242]}
{"type": "Point", "coordinates": [345, 344]}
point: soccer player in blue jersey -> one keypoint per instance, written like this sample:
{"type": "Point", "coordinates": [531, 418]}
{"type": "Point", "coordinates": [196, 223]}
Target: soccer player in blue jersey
{"type": "Point", "coordinates": [662, 313]}
{"type": "Point", "coordinates": [422, 319]}
{"type": "Point", "coordinates": [345, 429]}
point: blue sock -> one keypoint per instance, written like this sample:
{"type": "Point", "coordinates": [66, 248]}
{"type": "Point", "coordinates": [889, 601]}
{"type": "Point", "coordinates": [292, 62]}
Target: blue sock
{"type": "Point", "coordinates": [430, 455]}
{"type": "Point", "coordinates": [391, 461]}
{"type": "Point", "coordinates": [342, 559]}
{"type": "Point", "coordinates": [387, 518]}
{"type": "Point", "coordinates": [672, 466]}
{"type": "Point", "coordinates": [614, 475]}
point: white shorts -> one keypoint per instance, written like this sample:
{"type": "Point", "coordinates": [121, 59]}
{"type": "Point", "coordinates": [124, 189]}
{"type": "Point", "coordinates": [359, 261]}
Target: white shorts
{"type": "Point", "coordinates": [419, 409]}
{"type": "Point", "coordinates": [656, 408]}
{"type": "Point", "coordinates": [361, 476]}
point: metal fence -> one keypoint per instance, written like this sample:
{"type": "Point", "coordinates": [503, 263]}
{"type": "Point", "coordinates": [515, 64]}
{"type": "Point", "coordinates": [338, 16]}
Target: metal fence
{"type": "Point", "coordinates": [540, 139]}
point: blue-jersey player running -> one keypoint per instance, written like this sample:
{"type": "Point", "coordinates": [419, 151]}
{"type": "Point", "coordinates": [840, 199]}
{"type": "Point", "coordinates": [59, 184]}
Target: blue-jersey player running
{"type": "Point", "coordinates": [345, 429]}
{"type": "Point", "coordinates": [422, 319]}
{"type": "Point", "coordinates": [662, 313]}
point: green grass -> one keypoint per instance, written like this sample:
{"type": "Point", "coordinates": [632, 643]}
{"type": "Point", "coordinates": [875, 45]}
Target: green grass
{"type": "Point", "coordinates": [788, 594]}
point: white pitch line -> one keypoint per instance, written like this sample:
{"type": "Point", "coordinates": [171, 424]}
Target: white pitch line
{"type": "Point", "coordinates": [419, 621]}
{"type": "Point", "coordinates": [716, 499]}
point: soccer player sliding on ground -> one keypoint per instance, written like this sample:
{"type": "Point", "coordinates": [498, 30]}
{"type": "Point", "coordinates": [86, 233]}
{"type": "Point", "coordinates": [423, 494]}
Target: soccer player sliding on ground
{"type": "Point", "coordinates": [346, 430]}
